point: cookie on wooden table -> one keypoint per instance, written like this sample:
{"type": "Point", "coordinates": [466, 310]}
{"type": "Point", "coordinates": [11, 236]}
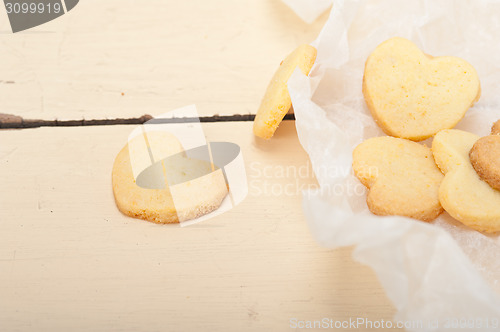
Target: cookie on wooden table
{"type": "Point", "coordinates": [276, 101]}
{"type": "Point", "coordinates": [196, 188]}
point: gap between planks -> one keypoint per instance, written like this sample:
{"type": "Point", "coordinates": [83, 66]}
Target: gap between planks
{"type": "Point", "coordinates": [9, 121]}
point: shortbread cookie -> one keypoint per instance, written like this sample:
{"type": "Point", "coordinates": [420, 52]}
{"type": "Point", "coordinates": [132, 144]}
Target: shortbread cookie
{"type": "Point", "coordinates": [412, 95]}
{"type": "Point", "coordinates": [495, 130]}
{"type": "Point", "coordinates": [276, 101]}
{"type": "Point", "coordinates": [401, 176]}
{"type": "Point", "coordinates": [462, 193]}
{"type": "Point", "coordinates": [485, 158]}
{"type": "Point", "coordinates": [186, 197]}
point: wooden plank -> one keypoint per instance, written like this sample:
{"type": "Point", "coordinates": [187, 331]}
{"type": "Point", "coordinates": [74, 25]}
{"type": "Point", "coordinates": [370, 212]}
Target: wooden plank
{"type": "Point", "coordinates": [122, 59]}
{"type": "Point", "coordinates": [69, 260]}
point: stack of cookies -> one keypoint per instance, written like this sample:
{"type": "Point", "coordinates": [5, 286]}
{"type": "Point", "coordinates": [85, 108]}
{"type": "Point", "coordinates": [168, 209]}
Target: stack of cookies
{"type": "Point", "coordinates": [413, 96]}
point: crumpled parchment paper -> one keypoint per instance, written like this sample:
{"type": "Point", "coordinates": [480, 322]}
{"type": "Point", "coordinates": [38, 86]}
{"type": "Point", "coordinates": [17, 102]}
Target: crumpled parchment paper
{"type": "Point", "coordinates": [436, 272]}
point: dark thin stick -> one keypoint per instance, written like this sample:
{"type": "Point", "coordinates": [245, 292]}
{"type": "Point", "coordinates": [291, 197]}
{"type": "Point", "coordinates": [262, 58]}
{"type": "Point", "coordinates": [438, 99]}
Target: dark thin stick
{"type": "Point", "coordinates": [8, 121]}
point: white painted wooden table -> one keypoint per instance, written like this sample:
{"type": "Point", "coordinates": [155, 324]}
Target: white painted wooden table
{"type": "Point", "coordinates": [125, 58]}
{"type": "Point", "coordinates": [70, 261]}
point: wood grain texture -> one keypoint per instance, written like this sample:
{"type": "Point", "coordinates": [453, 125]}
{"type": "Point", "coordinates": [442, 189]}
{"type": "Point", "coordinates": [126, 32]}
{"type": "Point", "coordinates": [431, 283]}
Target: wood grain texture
{"type": "Point", "coordinates": [121, 59]}
{"type": "Point", "coordinates": [70, 261]}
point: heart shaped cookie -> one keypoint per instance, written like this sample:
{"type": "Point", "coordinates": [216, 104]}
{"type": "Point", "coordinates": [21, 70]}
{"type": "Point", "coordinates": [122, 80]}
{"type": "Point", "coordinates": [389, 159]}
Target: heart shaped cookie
{"type": "Point", "coordinates": [401, 176]}
{"type": "Point", "coordinates": [485, 157]}
{"type": "Point", "coordinates": [154, 180]}
{"type": "Point", "coordinates": [462, 193]}
{"type": "Point", "coordinates": [495, 130]}
{"type": "Point", "coordinates": [277, 101]}
{"type": "Point", "coordinates": [412, 95]}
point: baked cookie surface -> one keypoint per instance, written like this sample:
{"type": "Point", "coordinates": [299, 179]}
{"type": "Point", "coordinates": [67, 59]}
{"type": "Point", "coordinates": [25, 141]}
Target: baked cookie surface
{"type": "Point", "coordinates": [401, 176]}
{"type": "Point", "coordinates": [412, 95]}
{"type": "Point", "coordinates": [495, 130]}
{"type": "Point", "coordinates": [462, 193]}
{"type": "Point", "coordinates": [485, 158]}
{"type": "Point", "coordinates": [276, 101]}
{"type": "Point", "coordinates": [187, 197]}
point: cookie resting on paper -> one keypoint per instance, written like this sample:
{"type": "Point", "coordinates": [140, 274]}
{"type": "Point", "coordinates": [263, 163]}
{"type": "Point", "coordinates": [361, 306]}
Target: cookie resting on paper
{"type": "Point", "coordinates": [401, 177]}
{"type": "Point", "coordinates": [463, 194]}
{"type": "Point", "coordinates": [413, 95]}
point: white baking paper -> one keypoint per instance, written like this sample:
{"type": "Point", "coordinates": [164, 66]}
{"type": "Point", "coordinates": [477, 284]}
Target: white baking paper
{"type": "Point", "coordinates": [438, 273]}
